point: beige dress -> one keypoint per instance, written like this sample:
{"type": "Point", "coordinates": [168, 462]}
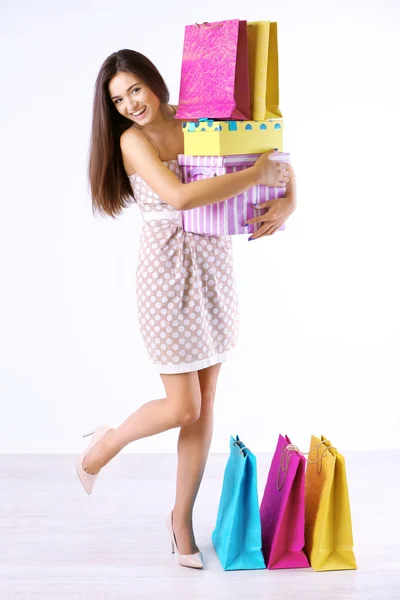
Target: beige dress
{"type": "Point", "coordinates": [185, 286]}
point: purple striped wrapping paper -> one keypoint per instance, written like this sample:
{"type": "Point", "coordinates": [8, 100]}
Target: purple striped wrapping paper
{"type": "Point", "coordinates": [229, 216]}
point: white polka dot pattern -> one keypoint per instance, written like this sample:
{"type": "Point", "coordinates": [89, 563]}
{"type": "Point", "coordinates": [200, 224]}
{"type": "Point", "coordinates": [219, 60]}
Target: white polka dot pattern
{"type": "Point", "coordinates": [186, 291]}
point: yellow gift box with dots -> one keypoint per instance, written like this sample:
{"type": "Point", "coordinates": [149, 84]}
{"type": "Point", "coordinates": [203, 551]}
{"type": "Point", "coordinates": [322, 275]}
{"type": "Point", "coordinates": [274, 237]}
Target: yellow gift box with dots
{"type": "Point", "coordinates": [208, 137]}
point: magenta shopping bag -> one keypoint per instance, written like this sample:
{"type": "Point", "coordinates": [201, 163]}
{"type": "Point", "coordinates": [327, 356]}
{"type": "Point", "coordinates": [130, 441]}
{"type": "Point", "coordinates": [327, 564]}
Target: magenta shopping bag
{"type": "Point", "coordinates": [282, 510]}
{"type": "Point", "coordinates": [215, 72]}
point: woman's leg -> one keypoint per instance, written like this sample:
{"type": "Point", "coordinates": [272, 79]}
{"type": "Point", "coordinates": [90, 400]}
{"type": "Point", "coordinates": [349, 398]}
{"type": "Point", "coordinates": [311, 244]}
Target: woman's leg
{"type": "Point", "coordinates": [180, 408]}
{"type": "Point", "coordinates": [193, 447]}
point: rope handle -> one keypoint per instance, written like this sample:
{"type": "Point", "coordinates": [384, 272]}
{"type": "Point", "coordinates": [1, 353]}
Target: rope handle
{"type": "Point", "coordinates": [286, 454]}
{"type": "Point", "coordinates": [237, 442]}
{"type": "Point", "coordinates": [206, 24]}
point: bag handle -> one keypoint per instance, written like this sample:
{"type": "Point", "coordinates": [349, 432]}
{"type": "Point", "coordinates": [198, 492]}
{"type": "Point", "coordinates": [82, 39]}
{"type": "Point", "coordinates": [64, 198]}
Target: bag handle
{"type": "Point", "coordinates": [237, 442]}
{"type": "Point", "coordinates": [207, 171]}
{"type": "Point", "coordinates": [206, 24]}
{"type": "Point", "coordinates": [285, 458]}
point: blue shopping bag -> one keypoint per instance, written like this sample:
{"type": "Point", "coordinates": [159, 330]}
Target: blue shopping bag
{"type": "Point", "coordinates": [237, 534]}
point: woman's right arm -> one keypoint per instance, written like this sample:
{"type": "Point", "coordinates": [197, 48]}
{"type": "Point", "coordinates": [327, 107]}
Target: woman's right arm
{"type": "Point", "coordinates": [140, 153]}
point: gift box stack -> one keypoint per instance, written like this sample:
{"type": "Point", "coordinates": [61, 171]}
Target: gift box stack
{"type": "Point", "coordinates": [229, 102]}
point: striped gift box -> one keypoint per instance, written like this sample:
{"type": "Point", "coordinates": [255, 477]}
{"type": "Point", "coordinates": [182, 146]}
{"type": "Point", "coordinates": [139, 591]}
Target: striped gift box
{"type": "Point", "coordinates": [229, 216]}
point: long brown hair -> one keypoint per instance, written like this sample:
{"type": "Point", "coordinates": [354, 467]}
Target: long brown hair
{"type": "Point", "coordinates": [109, 184]}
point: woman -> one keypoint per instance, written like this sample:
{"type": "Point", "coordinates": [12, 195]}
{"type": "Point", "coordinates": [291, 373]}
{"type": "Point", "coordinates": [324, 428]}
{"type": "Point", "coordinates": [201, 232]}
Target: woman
{"type": "Point", "coordinates": [186, 296]}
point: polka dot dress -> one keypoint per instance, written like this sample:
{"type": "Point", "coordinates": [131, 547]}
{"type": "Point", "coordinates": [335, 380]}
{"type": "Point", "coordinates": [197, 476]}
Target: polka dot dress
{"type": "Point", "coordinates": [185, 287]}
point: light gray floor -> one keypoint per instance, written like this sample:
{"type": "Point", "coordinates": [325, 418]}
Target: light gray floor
{"type": "Point", "coordinates": [58, 543]}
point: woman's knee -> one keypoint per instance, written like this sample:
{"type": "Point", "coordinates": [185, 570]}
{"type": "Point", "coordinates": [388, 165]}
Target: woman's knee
{"type": "Point", "coordinates": [186, 415]}
{"type": "Point", "coordinates": [184, 397]}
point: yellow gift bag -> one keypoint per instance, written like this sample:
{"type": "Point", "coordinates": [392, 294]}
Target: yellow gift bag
{"type": "Point", "coordinates": [328, 528]}
{"type": "Point", "coordinates": [262, 42]}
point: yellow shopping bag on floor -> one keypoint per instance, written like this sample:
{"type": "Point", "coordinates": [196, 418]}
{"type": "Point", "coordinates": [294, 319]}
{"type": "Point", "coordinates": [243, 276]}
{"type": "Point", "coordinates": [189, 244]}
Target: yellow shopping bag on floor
{"type": "Point", "coordinates": [262, 43]}
{"type": "Point", "coordinates": [328, 528]}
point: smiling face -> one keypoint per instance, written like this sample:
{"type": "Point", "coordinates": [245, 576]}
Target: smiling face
{"type": "Point", "coordinates": [133, 99]}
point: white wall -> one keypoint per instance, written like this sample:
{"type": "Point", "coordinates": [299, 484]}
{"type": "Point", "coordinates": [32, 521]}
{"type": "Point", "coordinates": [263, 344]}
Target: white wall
{"type": "Point", "coordinates": [319, 342]}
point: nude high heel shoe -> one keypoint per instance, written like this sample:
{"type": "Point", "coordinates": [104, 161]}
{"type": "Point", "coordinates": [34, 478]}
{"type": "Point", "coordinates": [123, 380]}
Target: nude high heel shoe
{"type": "Point", "coordinates": [87, 479]}
{"type": "Point", "coordinates": [195, 561]}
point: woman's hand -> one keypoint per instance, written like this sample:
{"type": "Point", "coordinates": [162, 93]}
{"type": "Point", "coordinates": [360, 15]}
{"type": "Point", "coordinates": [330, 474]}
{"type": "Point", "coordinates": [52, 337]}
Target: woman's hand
{"type": "Point", "coordinates": [278, 210]}
{"type": "Point", "coordinates": [272, 173]}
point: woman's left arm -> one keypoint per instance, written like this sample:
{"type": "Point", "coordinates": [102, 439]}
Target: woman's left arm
{"type": "Point", "coordinates": [278, 209]}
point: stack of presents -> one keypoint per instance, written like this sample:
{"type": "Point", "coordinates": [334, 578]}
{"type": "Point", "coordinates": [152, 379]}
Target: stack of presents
{"type": "Point", "coordinates": [303, 520]}
{"type": "Point", "coordinates": [229, 104]}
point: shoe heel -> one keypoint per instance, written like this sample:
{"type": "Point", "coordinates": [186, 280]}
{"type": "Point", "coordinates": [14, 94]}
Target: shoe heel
{"type": "Point", "coordinates": [87, 479]}
{"type": "Point", "coordinates": [195, 561]}
{"type": "Point", "coordinates": [169, 527]}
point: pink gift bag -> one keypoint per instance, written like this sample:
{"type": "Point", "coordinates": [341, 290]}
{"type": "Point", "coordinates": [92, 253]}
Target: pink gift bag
{"type": "Point", "coordinates": [282, 510]}
{"type": "Point", "coordinates": [229, 216]}
{"type": "Point", "coordinates": [215, 72]}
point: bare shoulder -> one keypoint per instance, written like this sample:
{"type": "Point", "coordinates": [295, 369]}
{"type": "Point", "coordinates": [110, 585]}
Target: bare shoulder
{"type": "Point", "coordinates": [140, 156]}
{"type": "Point", "coordinates": [133, 143]}
{"type": "Point", "coordinates": [129, 136]}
